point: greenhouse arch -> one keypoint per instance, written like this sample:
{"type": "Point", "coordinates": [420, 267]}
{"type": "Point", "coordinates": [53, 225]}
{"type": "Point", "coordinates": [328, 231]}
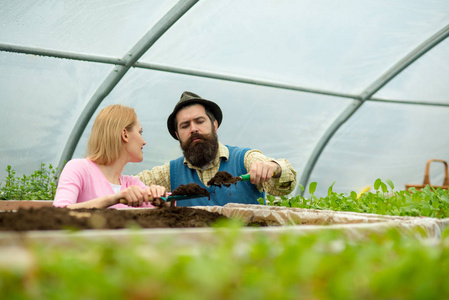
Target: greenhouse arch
{"type": "Point", "coordinates": [321, 86]}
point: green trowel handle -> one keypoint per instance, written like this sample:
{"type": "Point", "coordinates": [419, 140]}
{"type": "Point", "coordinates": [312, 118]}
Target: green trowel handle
{"type": "Point", "coordinates": [245, 177]}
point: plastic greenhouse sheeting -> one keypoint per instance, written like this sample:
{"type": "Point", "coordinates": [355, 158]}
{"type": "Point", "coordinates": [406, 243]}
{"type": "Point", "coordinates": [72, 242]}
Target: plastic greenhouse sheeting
{"type": "Point", "coordinates": [348, 91]}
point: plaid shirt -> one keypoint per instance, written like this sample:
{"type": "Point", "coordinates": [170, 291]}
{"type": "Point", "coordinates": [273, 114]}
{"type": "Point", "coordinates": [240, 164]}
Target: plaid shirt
{"type": "Point", "coordinates": [283, 185]}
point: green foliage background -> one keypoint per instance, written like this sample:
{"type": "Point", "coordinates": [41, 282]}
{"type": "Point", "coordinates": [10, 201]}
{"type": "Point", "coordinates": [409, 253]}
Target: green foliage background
{"type": "Point", "coordinates": [325, 265]}
{"type": "Point", "coordinates": [40, 185]}
{"type": "Point", "coordinates": [428, 202]}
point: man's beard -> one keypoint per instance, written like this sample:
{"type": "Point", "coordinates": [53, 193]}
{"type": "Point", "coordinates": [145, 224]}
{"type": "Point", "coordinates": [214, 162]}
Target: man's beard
{"type": "Point", "coordinates": [202, 152]}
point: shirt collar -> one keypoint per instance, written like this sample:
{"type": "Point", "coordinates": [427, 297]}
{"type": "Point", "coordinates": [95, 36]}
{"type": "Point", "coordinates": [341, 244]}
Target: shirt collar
{"type": "Point", "coordinates": [223, 152]}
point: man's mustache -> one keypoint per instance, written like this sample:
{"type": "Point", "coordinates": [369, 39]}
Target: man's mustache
{"type": "Point", "coordinates": [195, 135]}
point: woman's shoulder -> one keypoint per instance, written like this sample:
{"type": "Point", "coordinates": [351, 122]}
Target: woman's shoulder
{"type": "Point", "coordinates": [131, 180]}
{"type": "Point", "coordinates": [79, 164]}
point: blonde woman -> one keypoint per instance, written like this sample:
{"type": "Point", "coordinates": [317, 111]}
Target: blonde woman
{"type": "Point", "coordinates": [97, 181]}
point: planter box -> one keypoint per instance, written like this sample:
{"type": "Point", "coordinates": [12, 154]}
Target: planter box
{"type": "Point", "coordinates": [306, 220]}
{"type": "Point", "coordinates": [277, 254]}
{"type": "Point", "coordinates": [282, 219]}
{"type": "Point", "coordinates": [16, 204]}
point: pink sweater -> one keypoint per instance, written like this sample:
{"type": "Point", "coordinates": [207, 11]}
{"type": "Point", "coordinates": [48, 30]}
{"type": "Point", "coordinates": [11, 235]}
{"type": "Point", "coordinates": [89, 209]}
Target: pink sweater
{"type": "Point", "coordinates": [81, 180]}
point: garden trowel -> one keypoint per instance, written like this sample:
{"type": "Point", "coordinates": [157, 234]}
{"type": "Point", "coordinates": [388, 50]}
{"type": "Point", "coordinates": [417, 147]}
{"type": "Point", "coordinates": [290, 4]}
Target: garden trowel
{"type": "Point", "coordinates": [173, 198]}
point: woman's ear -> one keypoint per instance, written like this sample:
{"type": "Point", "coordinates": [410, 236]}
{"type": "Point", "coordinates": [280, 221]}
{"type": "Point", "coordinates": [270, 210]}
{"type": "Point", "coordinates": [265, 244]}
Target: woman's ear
{"type": "Point", "coordinates": [124, 135]}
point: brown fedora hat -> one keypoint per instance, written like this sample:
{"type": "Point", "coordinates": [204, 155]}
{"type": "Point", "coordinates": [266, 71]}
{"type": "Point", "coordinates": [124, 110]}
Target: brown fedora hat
{"type": "Point", "coordinates": [188, 98]}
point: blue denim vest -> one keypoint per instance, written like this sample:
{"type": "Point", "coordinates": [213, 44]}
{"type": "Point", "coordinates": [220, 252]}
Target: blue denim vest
{"type": "Point", "coordinates": [241, 192]}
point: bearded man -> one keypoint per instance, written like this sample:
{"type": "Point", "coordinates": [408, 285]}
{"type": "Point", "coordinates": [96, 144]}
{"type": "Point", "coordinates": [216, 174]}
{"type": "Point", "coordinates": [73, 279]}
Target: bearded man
{"type": "Point", "coordinates": [194, 123]}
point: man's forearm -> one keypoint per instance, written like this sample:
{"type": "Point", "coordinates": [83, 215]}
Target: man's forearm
{"type": "Point", "coordinates": [159, 175]}
{"type": "Point", "coordinates": [283, 181]}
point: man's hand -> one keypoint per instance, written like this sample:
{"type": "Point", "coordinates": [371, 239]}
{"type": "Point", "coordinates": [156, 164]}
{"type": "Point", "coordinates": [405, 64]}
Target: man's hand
{"type": "Point", "coordinates": [262, 171]}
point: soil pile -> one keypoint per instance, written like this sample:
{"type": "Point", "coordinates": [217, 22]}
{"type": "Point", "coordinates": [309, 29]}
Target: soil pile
{"type": "Point", "coordinates": [55, 218]}
{"type": "Point", "coordinates": [223, 178]}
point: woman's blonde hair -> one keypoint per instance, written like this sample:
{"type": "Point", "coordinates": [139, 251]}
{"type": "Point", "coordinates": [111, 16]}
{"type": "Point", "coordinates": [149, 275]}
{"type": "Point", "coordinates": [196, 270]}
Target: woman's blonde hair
{"type": "Point", "coordinates": [105, 142]}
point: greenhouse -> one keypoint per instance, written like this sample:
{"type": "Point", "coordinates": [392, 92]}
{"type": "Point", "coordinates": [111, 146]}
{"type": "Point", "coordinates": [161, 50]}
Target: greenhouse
{"type": "Point", "coordinates": [354, 94]}
{"type": "Point", "coordinates": [346, 92]}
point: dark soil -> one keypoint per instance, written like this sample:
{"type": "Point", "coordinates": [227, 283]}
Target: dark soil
{"type": "Point", "coordinates": [54, 218]}
{"type": "Point", "coordinates": [223, 178]}
{"type": "Point", "coordinates": [190, 189]}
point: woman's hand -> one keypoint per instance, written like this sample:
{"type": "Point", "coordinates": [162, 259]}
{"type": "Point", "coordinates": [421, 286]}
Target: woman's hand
{"type": "Point", "coordinates": [155, 192]}
{"type": "Point", "coordinates": [136, 196]}
{"type": "Point", "coordinates": [133, 195]}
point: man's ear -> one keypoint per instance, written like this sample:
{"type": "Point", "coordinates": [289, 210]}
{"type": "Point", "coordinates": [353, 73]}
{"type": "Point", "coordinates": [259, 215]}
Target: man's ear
{"type": "Point", "coordinates": [177, 135]}
{"type": "Point", "coordinates": [124, 135]}
{"type": "Point", "coordinates": [215, 125]}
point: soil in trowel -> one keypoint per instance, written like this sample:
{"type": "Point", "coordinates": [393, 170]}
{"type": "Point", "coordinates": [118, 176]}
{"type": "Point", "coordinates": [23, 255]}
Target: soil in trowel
{"type": "Point", "coordinates": [223, 178]}
{"type": "Point", "coordinates": [190, 189]}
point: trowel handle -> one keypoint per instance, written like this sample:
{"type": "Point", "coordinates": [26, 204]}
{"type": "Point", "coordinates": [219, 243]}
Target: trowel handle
{"type": "Point", "coordinates": [123, 201]}
{"type": "Point", "coordinates": [245, 177]}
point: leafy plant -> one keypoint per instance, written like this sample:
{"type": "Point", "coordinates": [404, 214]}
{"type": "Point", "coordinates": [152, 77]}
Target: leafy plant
{"type": "Point", "coordinates": [427, 202]}
{"type": "Point", "coordinates": [324, 265]}
{"type": "Point", "coordinates": [40, 185]}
